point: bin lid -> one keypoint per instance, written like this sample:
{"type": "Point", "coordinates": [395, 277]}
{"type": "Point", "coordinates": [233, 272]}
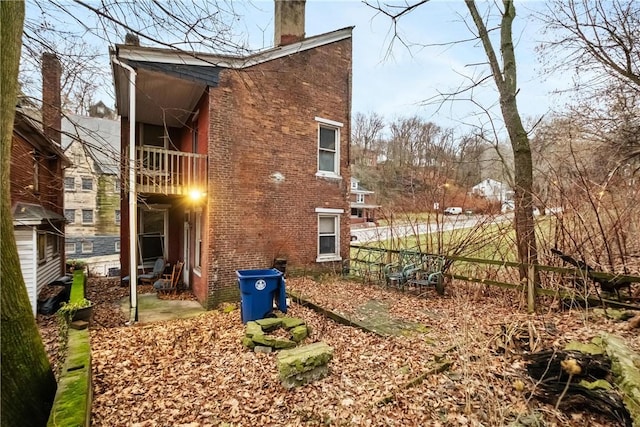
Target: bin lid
{"type": "Point", "coordinates": [266, 272]}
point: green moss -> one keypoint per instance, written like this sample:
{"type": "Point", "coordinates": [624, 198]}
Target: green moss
{"type": "Point", "coordinates": [248, 342]}
{"type": "Point", "coordinates": [269, 324]}
{"type": "Point", "coordinates": [291, 322]}
{"type": "Point", "coordinates": [590, 348]}
{"type": "Point", "coordinates": [299, 333]}
{"type": "Point", "coordinates": [597, 384]}
{"type": "Point", "coordinates": [77, 287]}
{"type": "Point", "coordinates": [252, 328]}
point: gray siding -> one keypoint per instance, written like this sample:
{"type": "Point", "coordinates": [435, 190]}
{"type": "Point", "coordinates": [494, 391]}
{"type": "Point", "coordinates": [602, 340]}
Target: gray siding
{"type": "Point", "coordinates": [102, 245]}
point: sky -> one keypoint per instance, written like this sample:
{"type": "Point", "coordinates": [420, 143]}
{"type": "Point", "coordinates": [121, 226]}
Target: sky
{"type": "Point", "coordinates": [397, 80]}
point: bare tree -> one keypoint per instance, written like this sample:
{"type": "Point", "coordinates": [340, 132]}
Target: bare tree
{"type": "Point", "coordinates": [28, 384]}
{"type": "Point", "coordinates": [365, 137]}
{"type": "Point", "coordinates": [595, 38]}
{"type": "Point", "coordinates": [504, 74]}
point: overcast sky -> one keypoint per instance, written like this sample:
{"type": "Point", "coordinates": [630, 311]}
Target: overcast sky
{"type": "Point", "coordinates": [395, 80]}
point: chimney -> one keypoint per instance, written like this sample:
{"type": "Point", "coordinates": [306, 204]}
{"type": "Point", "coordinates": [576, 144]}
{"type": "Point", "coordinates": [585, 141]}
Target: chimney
{"type": "Point", "coordinates": [289, 21]}
{"type": "Point", "coordinates": [51, 104]}
{"type": "Point", "coordinates": [131, 39]}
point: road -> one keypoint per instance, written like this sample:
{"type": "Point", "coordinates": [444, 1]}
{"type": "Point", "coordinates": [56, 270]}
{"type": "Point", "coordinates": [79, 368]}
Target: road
{"type": "Point", "coordinates": [373, 234]}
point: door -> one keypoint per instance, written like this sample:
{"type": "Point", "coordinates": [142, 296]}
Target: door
{"type": "Point", "coordinates": [187, 250]}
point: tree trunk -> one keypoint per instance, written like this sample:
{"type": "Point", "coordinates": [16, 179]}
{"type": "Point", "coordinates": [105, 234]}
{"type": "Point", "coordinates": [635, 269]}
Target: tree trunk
{"type": "Point", "coordinates": [28, 384]}
{"type": "Point", "coordinates": [506, 82]}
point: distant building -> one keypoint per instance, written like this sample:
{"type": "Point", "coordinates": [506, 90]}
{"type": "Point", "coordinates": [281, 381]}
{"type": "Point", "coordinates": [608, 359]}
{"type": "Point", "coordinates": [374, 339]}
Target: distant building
{"type": "Point", "coordinates": [363, 209]}
{"type": "Point", "coordinates": [92, 191]}
{"type": "Point", "coordinates": [493, 190]}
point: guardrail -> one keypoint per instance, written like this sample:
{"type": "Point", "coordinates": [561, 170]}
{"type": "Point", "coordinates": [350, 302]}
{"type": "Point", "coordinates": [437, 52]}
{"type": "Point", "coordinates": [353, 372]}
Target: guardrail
{"type": "Point", "coordinates": [162, 171]}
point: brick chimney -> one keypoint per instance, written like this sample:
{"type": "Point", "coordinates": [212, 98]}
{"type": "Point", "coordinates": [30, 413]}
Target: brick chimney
{"type": "Point", "coordinates": [51, 104]}
{"type": "Point", "coordinates": [289, 21]}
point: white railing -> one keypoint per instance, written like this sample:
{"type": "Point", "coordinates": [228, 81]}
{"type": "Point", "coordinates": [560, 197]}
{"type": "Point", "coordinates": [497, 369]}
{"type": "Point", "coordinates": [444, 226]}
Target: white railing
{"type": "Point", "coordinates": [162, 171]}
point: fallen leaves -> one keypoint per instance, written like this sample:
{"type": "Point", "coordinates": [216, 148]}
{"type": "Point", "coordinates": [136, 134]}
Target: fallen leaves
{"type": "Point", "coordinates": [195, 372]}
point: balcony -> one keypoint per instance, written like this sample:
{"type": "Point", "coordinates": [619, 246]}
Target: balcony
{"type": "Point", "coordinates": [162, 171]}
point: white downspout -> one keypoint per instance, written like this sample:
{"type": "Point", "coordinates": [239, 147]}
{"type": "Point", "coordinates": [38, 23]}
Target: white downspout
{"type": "Point", "coordinates": [133, 202]}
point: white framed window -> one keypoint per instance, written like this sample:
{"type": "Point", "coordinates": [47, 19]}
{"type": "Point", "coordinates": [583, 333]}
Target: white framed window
{"type": "Point", "coordinates": [328, 234]}
{"type": "Point", "coordinates": [69, 248]}
{"type": "Point", "coordinates": [359, 198]}
{"type": "Point", "coordinates": [42, 247]}
{"type": "Point", "coordinates": [87, 184]}
{"type": "Point", "coordinates": [328, 147]}
{"type": "Point", "coordinates": [117, 216]}
{"type": "Point", "coordinates": [116, 185]}
{"type": "Point", "coordinates": [87, 247]}
{"type": "Point", "coordinates": [70, 215]}
{"type": "Point", "coordinates": [36, 172]}
{"type": "Point", "coordinates": [69, 183]}
{"type": "Point", "coordinates": [198, 241]}
{"type": "Point", "coordinates": [87, 216]}
{"type": "Point", "coordinates": [354, 184]}
{"type": "Point", "coordinates": [117, 246]}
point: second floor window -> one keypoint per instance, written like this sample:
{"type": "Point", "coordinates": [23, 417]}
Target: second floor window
{"type": "Point", "coordinates": [69, 183]}
{"type": "Point", "coordinates": [328, 147]}
{"type": "Point", "coordinates": [70, 215]}
{"type": "Point", "coordinates": [87, 184]}
{"type": "Point", "coordinates": [116, 185]}
{"type": "Point", "coordinates": [87, 216]}
{"type": "Point", "coordinates": [117, 216]}
{"type": "Point", "coordinates": [359, 198]}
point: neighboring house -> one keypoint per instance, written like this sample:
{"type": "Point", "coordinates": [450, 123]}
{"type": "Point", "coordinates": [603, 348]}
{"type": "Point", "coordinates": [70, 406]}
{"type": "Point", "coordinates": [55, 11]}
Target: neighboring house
{"type": "Point", "coordinates": [363, 209]}
{"type": "Point", "coordinates": [92, 190]}
{"type": "Point", "coordinates": [261, 144]}
{"type": "Point", "coordinates": [493, 190]}
{"type": "Point", "coordinates": [37, 163]}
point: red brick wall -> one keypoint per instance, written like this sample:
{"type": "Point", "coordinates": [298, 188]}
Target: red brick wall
{"type": "Point", "coordinates": [23, 189]}
{"type": "Point", "coordinates": [262, 121]}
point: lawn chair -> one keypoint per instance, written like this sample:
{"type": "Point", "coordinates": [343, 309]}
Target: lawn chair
{"type": "Point", "coordinates": [398, 273]}
{"type": "Point", "coordinates": [430, 272]}
{"type": "Point", "coordinates": [169, 282]}
{"type": "Point", "coordinates": [150, 278]}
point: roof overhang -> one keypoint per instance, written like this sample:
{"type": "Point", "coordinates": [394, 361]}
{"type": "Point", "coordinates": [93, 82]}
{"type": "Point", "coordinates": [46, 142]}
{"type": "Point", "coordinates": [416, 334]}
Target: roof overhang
{"type": "Point", "coordinates": [32, 214]}
{"type": "Point", "coordinates": [169, 83]}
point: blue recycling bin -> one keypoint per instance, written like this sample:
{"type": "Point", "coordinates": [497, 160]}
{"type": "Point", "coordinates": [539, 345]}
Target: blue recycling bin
{"type": "Point", "coordinates": [259, 289]}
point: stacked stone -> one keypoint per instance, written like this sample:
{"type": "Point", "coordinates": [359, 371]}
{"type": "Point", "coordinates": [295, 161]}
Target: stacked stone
{"type": "Point", "coordinates": [305, 364]}
{"type": "Point", "coordinates": [257, 337]}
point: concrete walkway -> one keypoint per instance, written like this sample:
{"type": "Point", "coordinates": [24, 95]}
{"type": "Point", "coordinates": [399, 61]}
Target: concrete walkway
{"type": "Point", "coordinates": [153, 309]}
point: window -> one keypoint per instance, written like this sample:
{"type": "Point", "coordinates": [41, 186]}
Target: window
{"type": "Point", "coordinates": [70, 215]}
{"type": "Point", "coordinates": [117, 216]}
{"type": "Point", "coordinates": [359, 198]}
{"type": "Point", "coordinates": [53, 241]}
{"type": "Point", "coordinates": [69, 183]}
{"type": "Point", "coordinates": [198, 242]}
{"type": "Point", "coordinates": [328, 234]}
{"type": "Point", "coordinates": [328, 147]}
{"type": "Point", "coordinates": [36, 172]}
{"type": "Point", "coordinates": [42, 247]}
{"type": "Point", "coordinates": [87, 216]}
{"type": "Point", "coordinates": [87, 184]}
{"type": "Point", "coordinates": [87, 247]}
{"type": "Point", "coordinates": [354, 184]}
{"type": "Point", "coordinates": [116, 185]}
{"type": "Point", "coordinates": [117, 246]}
{"type": "Point", "coordinates": [69, 248]}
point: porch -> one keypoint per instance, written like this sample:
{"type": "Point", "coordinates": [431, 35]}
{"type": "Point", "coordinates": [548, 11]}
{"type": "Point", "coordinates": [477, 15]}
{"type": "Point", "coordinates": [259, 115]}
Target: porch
{"type": "Point", "coordinates": [169, 172]}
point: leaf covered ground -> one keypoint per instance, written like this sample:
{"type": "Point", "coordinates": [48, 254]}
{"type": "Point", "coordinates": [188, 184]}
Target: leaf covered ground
{"type": "Point", "coordinates": [195, 372]}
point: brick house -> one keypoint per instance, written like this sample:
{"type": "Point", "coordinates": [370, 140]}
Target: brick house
{"type": "Point", "coordinates": [263, 140]}
{"type": "Point", "coordinates": [37, 163]}
{"type": "Point", "coordinates": [362, 204]}
{"type": "Point", "coordinates": [92, 190]}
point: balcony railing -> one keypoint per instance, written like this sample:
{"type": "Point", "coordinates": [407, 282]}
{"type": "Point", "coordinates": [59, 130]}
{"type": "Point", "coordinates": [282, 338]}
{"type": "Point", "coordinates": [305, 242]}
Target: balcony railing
{"type": "Point", "coordinates": [162, 171]}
